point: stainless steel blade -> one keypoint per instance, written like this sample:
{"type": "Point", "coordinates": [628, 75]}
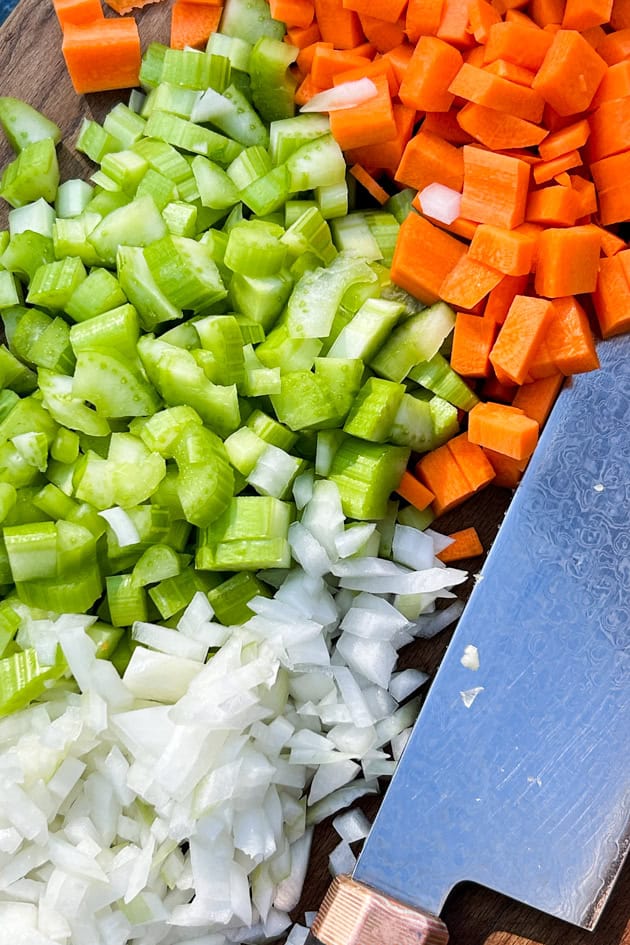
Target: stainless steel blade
{"type": "Point", "coordinates": [527, 790]}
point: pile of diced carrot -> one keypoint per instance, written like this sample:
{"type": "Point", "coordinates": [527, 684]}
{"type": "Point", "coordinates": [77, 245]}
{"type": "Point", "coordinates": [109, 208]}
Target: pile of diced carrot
{"type": "Point", "coordinates": [522, 108]}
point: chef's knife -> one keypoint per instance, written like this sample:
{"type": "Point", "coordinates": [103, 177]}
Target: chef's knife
{"type": "Point", "coordinates": [517, 774]}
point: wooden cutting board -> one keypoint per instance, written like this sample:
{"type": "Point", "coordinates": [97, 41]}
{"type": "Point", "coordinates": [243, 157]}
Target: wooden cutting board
{"type": "Point", "coordinates": [32, 68]}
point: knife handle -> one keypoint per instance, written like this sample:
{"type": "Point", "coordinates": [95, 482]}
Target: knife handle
{"type": "Point", "coordinates": [355, 914]}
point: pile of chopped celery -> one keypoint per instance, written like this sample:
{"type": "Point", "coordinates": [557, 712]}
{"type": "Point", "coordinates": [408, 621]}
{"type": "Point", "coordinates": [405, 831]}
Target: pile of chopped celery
{"type": "Point", "coordinates": [195, 336]}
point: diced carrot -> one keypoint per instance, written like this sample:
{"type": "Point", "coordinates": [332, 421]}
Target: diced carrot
{"type": "Point", "coordinates": [465, 544]}
{"type": "Point", "coordinates": [126, 6]}
{"type": "Point", "coordinates": [102, 55]}
{"type": "Point", "coordinates": [509, 251]}
{"type": "Point", "coordinates": [495, 390]}
{"type": "Point", "coordinates": [368, 69]}
{"type": "Point", "coordinates": [518, 44]}
{"type": "Point", "coordinates": [508, 472]}
{"type": "Point", "coordinates": [611, 299]}
{"type": "Point", "coordinates": [433, 66]}
{"type": "Point", "coordinates": [473, 338]}
{"type": "Point", "coordinates": [382, 34]}
{"type": "Point", "coordinates": [509, 70]}
{"type": "Point", "coordinates": [568, 261]}
{"type": "Point", "coordinates": [471, 460]}
{"type": "Point", "coordinates": [482, 16]}
{"type": "Point", "coordinates": [545, 12]}
{"type": "Point", "coordinates": [615, 47]}
{"type": "Point", "coordinates": [504, 429]}
{"type": "Point", "coordinates": [497, 129]}
{"type": "Point", "coordinates": [468, 283]}
{"type": "Point", "coordinates": [541, 363]}
{"type": "Point", "coordinates": [570, 339]}
{"type": "Point", "coordinates": [495, 187]}
{"type": "Point", "coordinates": [570, 73]}
{"type": "Point", "coordinates": [582, 14]}
{"type": "Point", "coordinates": [428, 159]}
{"type": "Point", "coordinates": [587, 196]}
{"type": "Point", "coordinates": [610, 129]}
{"type": "Point", "coordinates": [620, 15]}
{"type": "Point", "coordinates": [477, 85]}
{"type": "Point", "coordinates": [337, 25]}
{"type": "Point", "coordinates": [615, 84]}
{"type": "Point", "coordinates": [458, 227]}
{"type": "Point", "coordinates": [474, 56]}
{"type": "Point", "coordinates": [543, 171]}
{"type": "Point", "coordinates": [367, 181]}
{"type": "Point", "coordinates": [440, 473]}
{"type": "Point", "coordinates": [300, 38]}
{"type": "Point", "coordinates": [454, 24]}
{"type": "Point", "coordinates": [304, 58]}
{"type": "Point", "coordinates": [515, 15]}
{"type": "Point", "coordinates": [423, 18]}
{"type": "Point", "coordinates": [77, 11]}
{"type": "Point", "coordinates": [399, 58]}
{"type": "Point", "coordinates": [537, 398]}
{"type": "Point", "coordinates": [553, 206]}
{"type": "Point", "coordinates": [387, 155]}
{"type": "Point", "coordinates": [594, 36]}
{"type": "Point", "coordinates": [370, 122]}
{"type": "Point", "coordinates": [445, 125]}
{"type": "Point", "coordinates": [610, 243]}
{"type": "Point", "coordinates": [388, 10]}
{"type": "Point", "coordinates": [414, 491]}
{"type": "Point", "coordinates": [423, 256]}
{"type": "Point", "coordinates": [502, 296]}
{"type": "Point", "coordinates": [566, 139]}
{"type": "Point", "coordinates": [192, 23]}
{"type": "Point", "coordinates": [610, 176]}
{"type": "Point", "coordinates": [293, 12]}
{"type": "Point", "coordinates": [520, 335]}
{"type": "Point", "coordinates": [328, 62]}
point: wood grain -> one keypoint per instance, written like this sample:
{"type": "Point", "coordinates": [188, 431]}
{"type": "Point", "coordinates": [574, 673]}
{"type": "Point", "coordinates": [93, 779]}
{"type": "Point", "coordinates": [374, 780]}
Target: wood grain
{"type": "Point", "coordinates": [31, 67]}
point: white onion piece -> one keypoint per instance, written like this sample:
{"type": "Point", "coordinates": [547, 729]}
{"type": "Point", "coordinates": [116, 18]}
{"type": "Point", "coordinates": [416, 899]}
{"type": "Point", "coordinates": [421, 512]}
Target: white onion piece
{"type": "Point", "coordinates": [352, 825]}
{"type": "Point", "coordinates": [340, 799]}
{"type": "Point", "coordinates": [440, 542]}
{"type": "Point", "coordinates": [427, 625]}
{"type": "Point", "coordinates": [470, 658]}
{"type": "Point", "coordinates": [122, 526]}
{"type": "Point", "coordinates": [399, 742]}
{"type": "Point", "coordinates": [413, 548]}
{"type": "Point", "coordinates": [404, 683]}
{"type": "Point", "coordinates": [344, 95]}
{"type": "Point", "coordinates": [440, 202]}
{"type": "Point", "coordinates": [341, 859]}
{"type": "Point", "coordinates": [170, 642]}
{"type": "Point", "coordinates": [297, 935]}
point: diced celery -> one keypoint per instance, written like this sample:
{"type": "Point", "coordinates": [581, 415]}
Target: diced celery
{"type": "Point", "coordinates": [70, 237]}
{"type": "Point", "coordinates": [413, 425]}
{"type": "Point", "coordinates": [10, 291]}
{"type": "Point", "coordinates": [189, 68]}
{"type": "Point", "coordinates": [139, 223]}
{"type": "Point", "coordinates": [416, 518]}
{"type": "Point", "coordinates": [260, 299]}
{"type": "Point", "coordinates": [230, 599]}
{"type": "Point", "coordinates": [23, 124]}
{"type": "Point", "coordinates": [332, 199]}
{"type": "Point", "coordinates": [170, 98]}
{"type": "Point", "coordinates": [249, 19]}
{"type": "Point", "coordinates": [310, 233]}
{"type": "Point", "coordinates": [52, 349]}
{"type": "Point", "coordinates": [151, 65]}
{"type": "Point", "coordinates": [99, 292]}
{"type": "Point", "coordinates": [318, 163]}
{"type": "Point", "coordinates": [124, 125]}
{"type": "Point", "coordinates": [400, 204]}
{"type": "Point", "coordinates": [416, 339]}
{"type": "Point", "coordinates": [23, 679]}
{"type": "Point", "coordinates": [180, 218]}
{"type": "Point", "coordinates": [65, 408]}
{"type": "Point", "coordinates": [34, 173]}
{"type": "Point", "coordinates": [367, 330]}
{"type": "Point", "coordinates": [38, 217]}
{"type": "Point", "coordinates": [281, 350]}
{"type": "Point", "coordinates": [438, 376]}
{"type": "Point", "coordinates": [254, 249]}
{"type": "Point", "coordinates": [215, 188]}
{"type": "Point", "coordinates": [26, 252]}
{"type": "Point", "coordinates": [72, 198]}
{"type": "Point", "coordinates": [272, 84]}
{"type": "Point", "coordinates": [366, 475]}
{"type": "Point", "coordinates": [231, 113]}
{"type": "Point", "coordinates": [54, 283]}
{"type": "Point", "coordinates": [287, 135]}
{"type": "Point", "coordinates": [318, 294]}
{"type": "Point", "coordinates": [188, 136]}
{"type": "Point", "coordinates": [126, 600]}
{"type": "Point", "coordinates": [352, 234]}
{"type": "Point", "coordinates": [114, 383]}
{"type": "Point", "coordinates": [139, 286]}
{"type": "Point", "coordinates": [374, 409]}
{"type": "Point", "coordinates": [94, 141]}
{"type": "Point", "coordinates": [185, 272]}
{"type": "Point", "coordinates": [15, 375]}
{"type": "Point", "coordinates": [384, 228]}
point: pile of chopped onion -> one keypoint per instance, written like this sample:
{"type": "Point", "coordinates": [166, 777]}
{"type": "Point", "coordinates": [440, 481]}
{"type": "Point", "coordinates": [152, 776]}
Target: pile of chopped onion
{"type": "Point", "coordinates": [177, 804]}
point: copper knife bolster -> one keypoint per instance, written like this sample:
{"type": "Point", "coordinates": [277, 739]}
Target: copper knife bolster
{"type": "Point", "coordinates": [354, 914]}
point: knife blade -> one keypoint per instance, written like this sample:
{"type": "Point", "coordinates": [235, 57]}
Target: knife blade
{"type": "Point", "coordinates": [516, 775]}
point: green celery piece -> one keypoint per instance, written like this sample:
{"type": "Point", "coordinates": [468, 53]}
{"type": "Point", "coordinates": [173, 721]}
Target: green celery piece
{"type": "Point", "coordinates": [252, 555]}
{"type": "Point", "coordinates": [310, 232]}
{"type": "Point", "coordinates": [367, 330]}
{"type": "Point", "coordinates": [232, 113]}
{"type": "Point", "coordinates": [65, 447]}
{"type": "Point", "coordinates": [333, 200]}
{"type": "Point", "coordinates": [38, 217]}
{"type": "Point", "coordinates": [26, 252]}
{"type": "Point", "coordinates": [118, 328]}
{"type": "Point", "coordinates": [244, 448]}
{"type": "Point", "coordinates": [15, 375]}
{"type": "Point", "coordinates": [318, 163]}
{"type": "Point", "coordinates": [152, 522]}
{"type": "Point", "coordinates": [53, 502]}
{"type": "Point", "coordinates": [93, 482]}
{"type": "Point", "coordinates": [15, 470]}
{"type": "Point", "coordinates": [416, 518]}
{"type": "Point", "coordinates": [305, 402]}
{"type": "Point", "coordinates": [233, 48]}
{"type": "Point", "coordinates": [384, 228]}
{"type": "Point", "coordinates": [126, 168]}
{"type": "Point", "coordinates": [250, 534]}
{"type": "Point", "coordinates": [156, 564]}
{"type": "Point", "coordinates": [281, 350]}
{"type": "Point", "coordinates": [34, 173]}
{"type": "Point", "coordinates": [180, 380]}
{"type": "Point", "coordinates": [99, 292]}
{"type": "Point", "coordinates": [170, 98]}
{"type": "Point", "coordinates": [127, 602]}
{"type": "Point", "coordinates": [28, 415]}
{"type": "Point", "coordinates": [444, 419]}
{"type": "Point", "coordinates": [261, 300]}
{"type": "Point", "coordinates": [66, 409]}
{"type": "Point", "coordinates": [413, 425]}
{"type": "Point", "coordinates": [294, 208]}
{"type": "Point", "coordinates": [175, 593]}
{"type": "Point", "coordinates": [230, 599]}
{"type": "Point", "coordinates": [23, 326]}
{"type": "Point", "coordinates": [188, 68]}
{"type": "Point", "coordinates": [216, 190]}
{"type": "Point", "coordinates": [135, 470]}
{"type": "Point", "coordinates": [438, 376]}
{"type": "Point", "coordinates": [33, 449]}
{"type": "Point", "coordinates": [205, 484]}
{"type": "Point", "coordinates": [32, 550]}
{"type": "Point", "coordinates": [254, 249]}
{"type": "Point", "coordinates": [259, 380]}
{"type": "Point", "coordinates": [138, 223]}
{"type": "Point", "coordinates": [251, 164]}
{"type": "Point", "coordinates": [318, 294]}
{"type": "Point", "coordinates": [52, 349]}
{"type": "Point", "coordinates": [400, 204]}
{"type": "Point", "coordinates": [188, 136]}
{"type": "Point", "coordinates": [366, 474]}
{"type": "Point", "coordinates": [268, 193]}
{"type": "Point", "coordinates": [105, 637]}
{"type": "Point", "coordinates": [76, 548]}
{"type": "Point", "coordinates": [343, 377]}
{"type": "Point", "coordinates": [23, 679]}
{"type": "Point", "coordinates": [168, 161]}
{"type": "Point", "coordinates": [94, 141]}
{"type": "Point", "coordinates": [113, 383]}
{"type": "Point", "coordinates": [252, 332]}
{"type": "Point", "coordinates": [272, 84]}
{"type": "Point", "coordinates": [151, 65]}
{"type": "Point", "coordinates": [70, 237]}
{"type": "Point", "coordinates": [139, 286]}
{"type": "Point", "coordinates": [374, 409]}
{"type": "Point", "coordinates": [249, 19]}
{"type": "Point", "coordinates": [287, 135]}
{"type": "Point", "coordinates": [10, 289]}
{"type": "Point", "coordinates": [275, 472]}
{"type": "Point", "coordinates": [180, 218]}
{"type": "Point", "coordinates": [9, 625]}
{"type": "Point", "coordinates": [124, 125]}
{"type": "Point", "coordinates": [185, 272]}
{"type": "Point", "coordinates": [416, 339]}
{"type": "Point", "coordinates": [269, 430]}
{"type": "Point", "coordinates": [162, 430]}
{"type": "Point", "coordinates": [73, 196]}
{"type": "Point", "coordinates": [221, 336]}
{"type": "Point", "coordinates": [328, 442]}
{"type": "Point", "coordinates": [23, 124]}
{"type": "Point", "coordinates": [352, 234]}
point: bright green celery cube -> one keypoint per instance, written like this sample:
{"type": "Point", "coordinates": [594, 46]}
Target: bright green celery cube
{"type": "Point", "coordinates": [14, 374]}
{"type": "Point", "coordinates": [138, 223]}
{"type": "Point", "coordinates": [288, 135]}
{"type": "Point", "coordinates": [52, 349]}
{"type": "Point", "coordinates": [127, 602]}
{"type": "Point", "coordinates": [94, 141]}
{"type": "Point", "coordinates": [10, 290]}
{"type": "Point", "coordinates": [70, 238]}
{"type": "Point", "coordinates": [167, 97]}
{"type": "Point", "coordinates": [126, 168]}
{"type": "Point", "coordinates": [118, 329]}
{"type": "Point", "coordinates": [413, 425]}
{"type": "Point", "coordinates": [65, 408]}
{"type": "Point", "coordinates": [124, 125]}
{"type": "Point", "coordinates": [272, 84]}
{"type": "Point", "coordinates": [173, 594]}
{"type": "Point", "coordinates": [367, 330]}
{"type": "Point", "coordinates": [366, 475]}
{"type": "Point", "coordinates": [318, 294]}
{"type": "Point", "coordinates": [215, 188]}
{"type": "Point", "coordinates": [34, 173]}
{"type": "Point", "coordinates": [416, 339]}
{"type": "Point", "coordinates": [162, 430]}
{"type": "Point", "coordinates": [310, 233]}
{"type": "Point", "coordinates": [231, 112]}
{"type": "Point", "coordinates": [247, 20]}
{"type": "Point", "coordinates": [180, 218]}
{"type": "Point", "coordinates": [318, 163]}
{"type": "Point", "coordinates": [230, 599]}
{"type": "Point", "coordinates": [23, 678]}
{"type": "Point", "coordinates": [269, 430]}
{"type": "Point", "coordinates": [188, 136]}
{"type": "Point", "coordinates": [254, 249]}
{"type": "Point", "coordinates": [114, 383]}
{"type": "Point", "coordinates": [23, 124]}
{"type": "Point", "coordinates": [438, 376]}
{"type": "Point", "coordinates": [139, 286]}
{"type": "Point", "coordinates": [251, 534]}
{"type": "Point", "coordinates": [221, 336]}
{"type": "Point", "coordinates": [261, 300]}
{"type": "Point", "coordinates": [99, 292]}
{"type": "Point", "coordinates": [26, 252]}
{"type": "Point", "coordinates": [185, 272]}
{"type": "Point", "coordinates": [374, 409]}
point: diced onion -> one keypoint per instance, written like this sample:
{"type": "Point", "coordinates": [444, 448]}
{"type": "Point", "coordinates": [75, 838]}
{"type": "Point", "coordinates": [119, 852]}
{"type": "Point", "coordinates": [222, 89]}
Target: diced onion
{"type": "Point", "coordinates": [440, 202]}
{"type": "Point", "coordinates": [344, 95]}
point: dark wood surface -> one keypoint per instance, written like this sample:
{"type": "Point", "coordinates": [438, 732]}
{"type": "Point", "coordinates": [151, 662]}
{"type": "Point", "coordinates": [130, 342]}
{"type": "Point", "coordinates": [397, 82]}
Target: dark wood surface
{"type": "Point", "coordinates": [31, 67]}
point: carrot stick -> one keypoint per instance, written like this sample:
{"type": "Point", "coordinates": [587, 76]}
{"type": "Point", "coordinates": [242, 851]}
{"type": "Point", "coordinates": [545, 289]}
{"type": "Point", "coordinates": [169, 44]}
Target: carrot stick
{"type": "Point", "coordinates": [473, 338]}
{"type": "Point", "coordinates": [568, 57]}
{"type": "Point", "coordinates": [610, 129]}
{"type": "Point", "coordinates": [569, 338]}
{"type": "Point", "coordinates": [586, 195]}
{"type": "Point", "coordinates": [446, 126]}
{"type": "Point", "coordinates": [422, 274]}
{"type": "Point", "coordinates": [498, 130]}
{"type": "Point", "coordinates": [433, 66]}
{"type": "Point", "coordinates": [520, 335]}
{"type": "Point", "coordinates": [370, 122]}
{"type": "Point", "coordinates": [615, 47]}
{"type": "Point", "coordinates": [509, 251]}
{"type": "Point", "coordinates": [300, 38]}
{"type": "Point", "coordinates": [428, 159]}
{"type": "Point", "coordinates": [615, 84]}
{"type": "Point", "coordinates": [504, 429]}
{"type": "Point", "coordinates": [495, 187]}
{"type": "Point", "coordinates": [367, 181]}
{"type": "Point", "coordinates": [611, 299]}
{"type": "Point", "coordinates": [543, 171]}
{"type": "Point", "coordinates": [568, 261]}
{"type": "Point", "coordinates": [468, 282]}
{"type": "Point", "coordinates": [415, 492]}
{"type": "Point", "coordinates": [192, 23]}
{"type": "Point", "coordinates": [482, 87]}
{"type": "Point", "coordinates": [610, 176]}
{"type": "Point", "coordinates": [466, 544]}
{"type": "Point", "coordinates": [77, 11]}
{"type": "Point", "coordinates": [537, 398]}
{"type": "Point", "coordinates": [454, 24]}
{"type": "Point", "coordinates": [482, 16]}
{"type": "Point", "coordinates": [102, 55]}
